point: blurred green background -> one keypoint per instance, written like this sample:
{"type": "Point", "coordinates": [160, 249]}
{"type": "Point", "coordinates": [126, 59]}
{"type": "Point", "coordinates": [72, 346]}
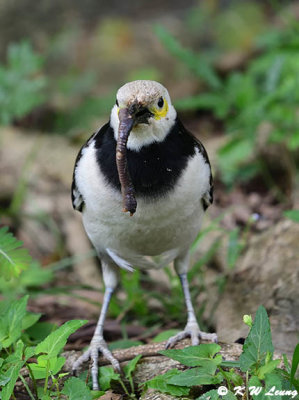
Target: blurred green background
{"type": "Point", "coordinates": [231, 68]}
{"type": "Point", "coordinates": [62, 63]}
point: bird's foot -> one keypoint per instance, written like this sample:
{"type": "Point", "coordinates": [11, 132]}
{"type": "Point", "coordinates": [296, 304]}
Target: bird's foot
{"type": "Point", "coordinates": [97, 345]}
{"type": "Point", "coordinates": [194, 333]}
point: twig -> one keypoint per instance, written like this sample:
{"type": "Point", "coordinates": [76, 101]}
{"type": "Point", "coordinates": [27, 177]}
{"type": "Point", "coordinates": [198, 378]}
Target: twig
{"type": "Point", "coordinates": [152, 350]}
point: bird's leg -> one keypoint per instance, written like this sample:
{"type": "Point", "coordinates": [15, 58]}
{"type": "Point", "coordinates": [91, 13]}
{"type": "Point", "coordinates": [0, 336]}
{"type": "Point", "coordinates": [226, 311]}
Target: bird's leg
{"type": "Point", "coordinates": [192, 329]}
{"type": "Point", "coordinates": [98, 344]}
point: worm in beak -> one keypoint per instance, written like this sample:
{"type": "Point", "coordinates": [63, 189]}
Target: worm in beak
{"type": "Point", "coordinates": [127, 189]}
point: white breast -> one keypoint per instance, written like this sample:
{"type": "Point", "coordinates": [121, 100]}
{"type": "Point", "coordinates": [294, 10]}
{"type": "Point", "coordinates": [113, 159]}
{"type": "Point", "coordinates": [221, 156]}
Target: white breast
{"type": "Point", "coordinates": [168, 224]}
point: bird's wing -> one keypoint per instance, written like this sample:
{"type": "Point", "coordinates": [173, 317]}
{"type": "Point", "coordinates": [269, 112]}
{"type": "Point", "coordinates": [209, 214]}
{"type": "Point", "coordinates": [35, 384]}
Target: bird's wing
{"type": "Point", "coordinates": [77, 199]}
{"type": "Point", "coordinates": [207, 198]}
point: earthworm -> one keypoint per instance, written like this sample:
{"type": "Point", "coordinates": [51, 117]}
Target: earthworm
{"type": "Point", "coordinates": [127, 188]}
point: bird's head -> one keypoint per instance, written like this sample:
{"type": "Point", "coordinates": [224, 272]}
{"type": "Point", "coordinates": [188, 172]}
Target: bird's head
{"type": "Point", "coordinates": [143, 114]}
{"type": "Point", "coordinates": [149, 105]}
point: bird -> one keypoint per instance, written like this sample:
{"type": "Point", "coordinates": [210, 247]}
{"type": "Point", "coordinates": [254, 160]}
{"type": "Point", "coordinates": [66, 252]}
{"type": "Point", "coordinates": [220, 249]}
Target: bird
{"type": "Point", "coordinates": [142, 183]}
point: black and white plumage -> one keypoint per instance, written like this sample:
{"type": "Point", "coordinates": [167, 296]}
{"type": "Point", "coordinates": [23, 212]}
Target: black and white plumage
{"type": "Point", "coordinates": [171, 177]}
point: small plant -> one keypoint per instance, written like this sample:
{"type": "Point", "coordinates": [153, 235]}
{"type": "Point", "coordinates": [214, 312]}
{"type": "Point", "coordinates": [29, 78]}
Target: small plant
{"type": "Point", "coordinates": [13, 258]}
{"type": "Point", "coordinates": [255, 374]}
{"type": "Point", "coordinates": [26, 344]}
{"type": "Point", "coordinates": [45, 371]}
{"type": "Point", "coordinates": [21, 83]}
{"type": "Point", "coordinates": [18, 328]}
{"type": "Point", "coordinates": [107, 375]}
{"type": "Point", "coordinates": [18, 271]}
{"type": "Point", "coordinates": [16, 350]}
{"type": "Point", "coordinates": [265, 94]}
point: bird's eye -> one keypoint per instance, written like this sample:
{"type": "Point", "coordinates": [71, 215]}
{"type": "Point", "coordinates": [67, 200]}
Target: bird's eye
{"type": "Point", "coordinates": [161, 102]}
{"type": "Point", "coordinates": [117, 103]}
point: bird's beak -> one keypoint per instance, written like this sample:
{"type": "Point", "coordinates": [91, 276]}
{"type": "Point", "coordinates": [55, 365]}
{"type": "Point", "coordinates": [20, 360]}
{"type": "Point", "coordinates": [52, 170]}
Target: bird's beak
{"type": "Point", "coordinates": [140, 113]}
{"type": "Point", "coordinates": [126, 123]}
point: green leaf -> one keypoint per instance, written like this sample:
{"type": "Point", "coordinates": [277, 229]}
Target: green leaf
{"type": "Point", "coordinates": [21, 82]}
{"type": "Point", "coordinates": [17, 355]}
{"type": "Point", "coordinates": [11, 321]}
{"type": "Point", "coordinates": [13, 258]}
{"type": "Point", "coordinates": [273, 382]}
{"type": "Point", "coordinates": [267, 368]}
{"type": "Point", "coordinates": [41, 395]}
{"type": "Point", "coordinates": [230, 364]}
{"type": "Point", "coordinates": [96, 394]}
{"type": "Point", "coordinates": [203, 355]}
{"type": "Point", "coordinates": [53, 366]}
{"type": "Point", "coordinates": [229, 396]}
{"type": "Point", "coordinates": [41, 330]}
{"type": "Point", "coordinates": [295, 362]}
{"type": "Point", "coordinates": [232, 156]}
{"type": "Point", "coordinates": [213, 395]}
{"type": "Point", "coordinates": [62, 375]}
{"type": "Point", "coordinates": [130, 367]}
{"type": "Point", "coordinates": [107, 375]}
{"type": "Point", "coordinates": [29, 352]}
{"type": "Point", "coordinates": [165, 335]}
{"type": "Point", "coordinates": [286, 363]}
{"type": "Point", "coordinates": [254, 386]}
{"type": "Point", "coordinates": [258, 342]}
{"type": "Point", "coordinates": [76, 389]}
{"type": "Point", "coordinates": [210, 395]}
{"type": "Point", "coordinates": [29, 320]}
{"type": "Point", "coordinates": [233, 377]}
{"type": "Point", "coordinates": [55, 342]}
{"type": "Point", "coordinates": [36, 275]}
{"type": "Point", "coordinates": [292, 214]}
{"type": "Point", "coordinates": [195, 377]}
{"type": "Point", "coordinates": [160, 382]}
{"type": "Point", "coordinates": [12, 373]}
{"type": "Point", "coordinates": [235, 151]}
{"type": "Point", "coordinates": [4, 379]}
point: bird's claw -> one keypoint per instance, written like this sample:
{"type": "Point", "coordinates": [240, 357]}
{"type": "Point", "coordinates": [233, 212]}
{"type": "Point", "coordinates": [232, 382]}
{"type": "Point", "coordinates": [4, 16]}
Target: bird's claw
{"type": "Point", "coordinates": [194, 333]}
{"type": "Point", "coordinates": [97, 345]}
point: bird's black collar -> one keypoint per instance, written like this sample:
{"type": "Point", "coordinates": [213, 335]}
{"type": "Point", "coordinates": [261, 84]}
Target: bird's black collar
{"type": "Point", "coordinates": [155, 168]}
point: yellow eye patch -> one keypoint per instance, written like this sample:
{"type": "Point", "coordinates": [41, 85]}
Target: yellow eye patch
{"type": "Point", "coordinates": [160, 112]}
